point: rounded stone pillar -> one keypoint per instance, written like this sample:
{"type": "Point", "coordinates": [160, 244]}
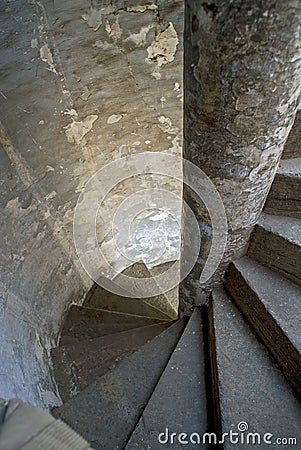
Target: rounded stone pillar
{"type": "Point", "coordinates": [242, 80]}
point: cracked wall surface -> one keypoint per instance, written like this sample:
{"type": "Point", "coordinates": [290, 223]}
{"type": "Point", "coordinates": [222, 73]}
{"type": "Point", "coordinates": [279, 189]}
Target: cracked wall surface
{"type": "Point", "coordinates": [242, 90]}
{"type": "Point", "coordinates": [83, 83]}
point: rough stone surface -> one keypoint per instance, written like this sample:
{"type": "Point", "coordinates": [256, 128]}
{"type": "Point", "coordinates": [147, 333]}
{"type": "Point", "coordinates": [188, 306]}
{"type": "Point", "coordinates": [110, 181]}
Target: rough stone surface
{"type": "Point", "coordinates": [272, 306]}
{"type": "Point", "coordinates": [77, 365]}
{"type": "Point", "coordinates": [252, 389]}
{"type": "Point", "coordinates": [100, 298]}
{"type": "Point", "coordinates": [106, 412]}
{"type": "Point", "coordinates": [276, 242]}
{"type": "Point", "coordinates": [285, 195]}
{"type": "Point", "coordinates": [292, 148]}
{"type": "Point", "coordinates": [179, 401]}
{"type": "Point", "coordinates": [78, 91]}
{"type": "Point", "coordinates": [87, 323]}
{"type": "Point", "coordinates": [242, 89]}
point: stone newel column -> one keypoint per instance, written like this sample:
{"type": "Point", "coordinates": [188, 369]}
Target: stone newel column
{"type": "Point", "coordinates": [242, 86]}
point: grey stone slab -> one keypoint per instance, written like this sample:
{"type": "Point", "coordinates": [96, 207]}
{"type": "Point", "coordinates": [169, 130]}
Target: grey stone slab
{"type": "Point", "coordinates": [272, 306]}
{"type": "Point", "coordinates": [78, 365]}
{"type": "Point", "coordinates": [285, 195]}
{"type": "Point", "coordinates": [89, 323]}
{"type": "Point", "coordinates": [276, 242]}
{"type": "Point", "coordinates": [252, 389]}
{"type": "Point", "coordinates": [107, 411]}
{"type": "Point", "coordinates": [292, 148]}
{"type": "Point", "coordinates": [178, 404]}
{"type": "Point", "coordinates": [103, 299]}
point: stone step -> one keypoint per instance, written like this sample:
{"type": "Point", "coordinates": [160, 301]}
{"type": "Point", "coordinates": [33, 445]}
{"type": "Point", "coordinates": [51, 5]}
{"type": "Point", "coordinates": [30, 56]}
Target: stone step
{"type": "Point", "coordinates": [88, 323]}
{"type": "Point", "coordinates": [285, 195]}
{"type": "Point", "coordinates": [178, 403]}
{"type": "Point", "coordinates": [107, 411]}
{"type": "Point", "coordinates": [167, 302]}
{"type": "Point", "coordinates": [276, 242]}
{"type": "Point", "coordinates": [80, 364]}
{"type": "Point", "coordinates": [292, 148]}
{"type": "Point", "coordinates": [253, 392]}
{"type": "Point", "coordinates": [103, 299]}
{"type": "Point", "coordinates": [272, 306]}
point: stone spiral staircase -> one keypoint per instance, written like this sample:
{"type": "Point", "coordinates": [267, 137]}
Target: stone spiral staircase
{"type": "Point", "coordinates": [127, 372]}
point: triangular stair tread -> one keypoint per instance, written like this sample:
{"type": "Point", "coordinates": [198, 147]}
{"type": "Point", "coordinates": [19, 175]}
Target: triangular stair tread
{"type": "Point", "coordinates": [78, 365]}
{"type": "Point", "coordinates": [276, 242]}
{"type": "Point", "coordinates": [166, 303]}
{"type": "Point", "coordinates": [106, 412]}
{"type": "Point", "coordinates": [252, 388]}
{"type": "Point", "coordinates": [88, 323]}
{"type": "Point", "coordinates": [179, 399]}
{"type": "Point", "coordinates": [100, 298]}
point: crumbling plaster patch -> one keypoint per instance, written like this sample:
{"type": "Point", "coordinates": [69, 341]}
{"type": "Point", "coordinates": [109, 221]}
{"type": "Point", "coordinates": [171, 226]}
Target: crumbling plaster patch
{"type": "Point", "coordinates": [76, 130]}
{"type": "Point", "coordinates": [163, 49]}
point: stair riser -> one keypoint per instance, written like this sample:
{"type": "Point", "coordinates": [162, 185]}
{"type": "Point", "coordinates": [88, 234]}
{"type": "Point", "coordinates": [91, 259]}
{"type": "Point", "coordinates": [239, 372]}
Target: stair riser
{"type": "Point", "coordinates": [276, 252]}
{"type": "Point", "coordinates": [285, 197]}
{"type": "Point", "coordinates": [99, 298]}
{"type": "Point", "coordinates": [212, 383]}
{"type": "Point", "coordinates": [107, 411]}
{"type": "Point", "coordinates": [265, 326]}
{"type": "Point", "coordinates": [87, 323]}
{"type": "Point", "coordinates": [77, 366]}
{"type": "Point", "coordinates": [292, 148]}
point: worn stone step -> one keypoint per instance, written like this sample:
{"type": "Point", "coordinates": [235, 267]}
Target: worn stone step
{"type": "Point", "coordinates": [103, 299]}
{"type": "Point", "coordinates": [276, 242]}
{"type": "Point", "coordinates": [178, 403]}
{"type": "Point", "coordinates": [78, 365]}
{"type": "Point", "coordinates": [253, 392]}
{"type": "Point", "coordinates": [88, 323]}
{"type": "Point", "coordinates": [167, 302]}
{"type": "Point", "coordinates": [272, 306]}
{"type": "Point", "coordinates": [292, 148]}
{"type": "Point", "coordinates": [285, 195]}
{"type": "Point", "coordinates": [106, 412]}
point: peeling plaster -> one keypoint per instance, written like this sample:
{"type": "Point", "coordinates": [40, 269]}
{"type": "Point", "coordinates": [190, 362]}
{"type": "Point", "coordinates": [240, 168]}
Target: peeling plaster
{"type": "Point", "coordinates": [139, 39]}
{"type": "Point", "coordinates": [94, 17]}
{"type": "Point", "coordinates": [166, 125]}
{"type": "Point", "coordinates": [46, 56]}
{"type": "Point", "coordinates": [156, 73]}
{"type": "Point", "coordinates": [114, 118]}
{"type": "Point", "coordinates": [114, 30]}
{"type": "Point", "coordinates": [75, 131]}
{"type": "Point", "coordinates": [163, 49]}
{"type": "Point", "coordinates": [71, 112]}
{"type": "Point", "coordinates": [142, 8]}
{"type": "Point", "coordinates": [34, 43]}
{"type": "Point", "coordinates": [104, 45]}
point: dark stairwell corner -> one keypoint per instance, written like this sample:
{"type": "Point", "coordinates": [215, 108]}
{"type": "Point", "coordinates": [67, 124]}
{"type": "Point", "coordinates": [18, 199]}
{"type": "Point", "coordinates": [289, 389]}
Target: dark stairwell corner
{"type": "Point", "coordinates": [126, 348]}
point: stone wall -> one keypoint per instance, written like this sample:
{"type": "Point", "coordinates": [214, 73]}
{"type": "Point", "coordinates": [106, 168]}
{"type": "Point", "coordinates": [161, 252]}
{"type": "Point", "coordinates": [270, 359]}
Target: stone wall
{"type": "Point", "coordinates": [83, 84]}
